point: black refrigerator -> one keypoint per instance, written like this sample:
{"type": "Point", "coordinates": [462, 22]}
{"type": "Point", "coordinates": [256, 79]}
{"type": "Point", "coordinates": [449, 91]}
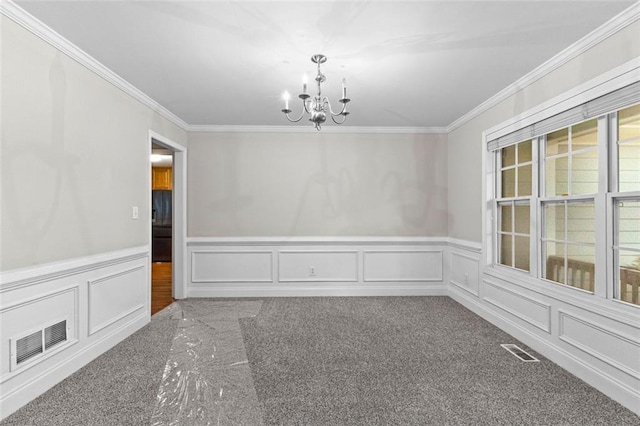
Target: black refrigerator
{"type": "Point", "coordinates": [161, 229]}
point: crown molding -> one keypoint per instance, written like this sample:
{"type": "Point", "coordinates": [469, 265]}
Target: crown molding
{"type": "Point", "coordinates": [21, 17]}
{"type": "Point", "coordinates": [615, 24]}
{"type": "Point", "coordinates": [311, 129]}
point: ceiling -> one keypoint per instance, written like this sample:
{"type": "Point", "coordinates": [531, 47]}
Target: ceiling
{"type": "Point", "coordinates": [406, 63]}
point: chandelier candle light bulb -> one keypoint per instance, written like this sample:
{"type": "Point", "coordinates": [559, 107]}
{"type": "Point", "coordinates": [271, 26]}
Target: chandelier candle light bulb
{"type": "Point", "coordinates": [318, 106]}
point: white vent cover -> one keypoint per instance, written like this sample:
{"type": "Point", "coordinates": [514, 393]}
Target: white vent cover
{"type": "Point", "coordinates": [519, 353]}
{"type": "Point", "coordinates": [36, 344]}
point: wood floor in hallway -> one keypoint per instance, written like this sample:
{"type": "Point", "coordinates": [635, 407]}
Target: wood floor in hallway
{"type": "Point", "coordinates": [161, 296]}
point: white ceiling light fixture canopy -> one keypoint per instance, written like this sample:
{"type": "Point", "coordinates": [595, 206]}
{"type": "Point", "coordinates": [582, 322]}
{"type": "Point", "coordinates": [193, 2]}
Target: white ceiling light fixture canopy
{"type": "Point", "coordinates": [318, 106]}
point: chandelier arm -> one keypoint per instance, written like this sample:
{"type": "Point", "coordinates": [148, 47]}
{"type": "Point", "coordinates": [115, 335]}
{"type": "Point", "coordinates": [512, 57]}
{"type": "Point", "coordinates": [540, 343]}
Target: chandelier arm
{"type": "Point", "coordinates": [339, 122]}
{"type": "Point", "coordinates": [344, 103]}
{"type": "Point", "coordinates": [293, 120]}
{"type": "Point", "coordinates": [344, 107]}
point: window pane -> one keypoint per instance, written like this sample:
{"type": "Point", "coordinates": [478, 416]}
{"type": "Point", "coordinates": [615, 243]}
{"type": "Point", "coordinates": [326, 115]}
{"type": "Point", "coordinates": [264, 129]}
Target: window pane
{"type": "Point", "coordinates": [509, 156]}
{"type": "Point", "coordinates": [522, 253]}
{"type": "Point", "coordinates": [554, 265]}
{"type": "Point", "coordinates": [584, 135]}
{"type": "Point", "coordinates": [629, 166]}
{"type": "Point", "coordinates": [524, 181]}
{"type": "Point", "coordinates": [509, 183]}
{"type": "Point", "coordinates": [584, 173]}
{"type": "Point", "coordinates": [629, 224]}
{"type": "Point", "coordinates": [522, 212]}
{"type": "Point", "coordinates": [524, 152]}
{"type": "Point", "coordinates": [505, 217]}
{"type": "Point", "coordinates": [557, 142]}
{"type": "Point", "coordinates": [581, 222]}
{"type": "Point", "coordinates": [581, 261]}
{"type": "Point", "coordinates": [556, 176]}
{"type": "Point", "coordinates": [629, 123]}
{"type": "Point", "coordinates": [554, 221]}
{"type": "Point", "coordinates": [505, 250]}
{"type": "Point", "coordinates": [629, 276]}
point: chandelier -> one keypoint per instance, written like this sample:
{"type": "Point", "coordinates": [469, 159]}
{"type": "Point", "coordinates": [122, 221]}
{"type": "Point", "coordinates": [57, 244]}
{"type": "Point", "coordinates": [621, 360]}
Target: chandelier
{"type": "Point", "coordinates": [318, 106]}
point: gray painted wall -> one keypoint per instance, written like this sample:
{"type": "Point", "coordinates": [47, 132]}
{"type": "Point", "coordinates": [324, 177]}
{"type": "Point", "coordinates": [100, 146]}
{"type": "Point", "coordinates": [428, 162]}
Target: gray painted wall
{"type": "Point", "coordinates": [316, 184]}
{"type": "Point", "coordinates": [74, 157]}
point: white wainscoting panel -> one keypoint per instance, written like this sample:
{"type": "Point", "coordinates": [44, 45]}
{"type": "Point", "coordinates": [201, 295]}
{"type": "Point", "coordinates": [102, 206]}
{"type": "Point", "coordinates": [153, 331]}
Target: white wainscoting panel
{"type": "Point", "coordinates": [602, 342]}
{"type": "Point", "coordinates": [115, 296]}
{"type": "Point", "coordinates": [403, 265]}
{"type": "Point", "coordinates": [465, 271]}
{"type": "Point", "coordinates": [515, 302]}
{"type": "Point", "coordinates": [104, 298]}
{"type": "Point", "coordinates": [231, 266]}
{"type": "Point", "coordinates": [35, 314]}
{"type": "Point", "coordinates": [317, 266]}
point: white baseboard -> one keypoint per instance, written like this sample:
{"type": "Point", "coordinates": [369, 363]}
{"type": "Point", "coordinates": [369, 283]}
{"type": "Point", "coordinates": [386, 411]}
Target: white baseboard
{"type": "Point", "coordinates": [305, 290]}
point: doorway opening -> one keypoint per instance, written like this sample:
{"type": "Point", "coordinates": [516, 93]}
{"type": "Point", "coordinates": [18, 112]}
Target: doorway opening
{"type": "Point", "coordinates": [161, 227]}
{"type": "Point", "coordinates": [167, 190]}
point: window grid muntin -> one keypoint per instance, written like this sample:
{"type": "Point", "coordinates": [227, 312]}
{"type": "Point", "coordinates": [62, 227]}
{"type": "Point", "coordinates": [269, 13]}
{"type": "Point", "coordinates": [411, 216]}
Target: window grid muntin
{"type": "Point", "coordinates": [569, 155]}
{"type": "Point", "coordinates": [512, 201]}
{"type": "Point", "coordinates": [512, 233]}
{"type": "Point", "coordinates": [565, 241]}
{"type": "Point", "coordinates": [516, 166]}
{"type": "Point", "coordinates": [617, 247]}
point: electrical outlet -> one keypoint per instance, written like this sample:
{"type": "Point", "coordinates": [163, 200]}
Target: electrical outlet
{"type": "Point", "coordinates": [134, 212]}
{"type": "Point", "coordinates": [312, 271]}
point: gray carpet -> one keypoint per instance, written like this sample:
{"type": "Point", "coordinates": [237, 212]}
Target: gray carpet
{"type": "Point", "coordinates": [405, 361]}
{"type": "Point", "coordinates": [319, 361]}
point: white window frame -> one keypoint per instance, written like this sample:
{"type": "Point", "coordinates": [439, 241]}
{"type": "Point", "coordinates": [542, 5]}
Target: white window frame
{"type": "Point", "coordinates": [603, 200]}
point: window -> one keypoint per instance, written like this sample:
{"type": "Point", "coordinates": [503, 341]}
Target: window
{"type": "Point", "coordinates": [514, 214]}
{"type": "Point", "coordinates": [626, 200]}
{"type": "Point", "coordinates": [563, 188]}
{"type": "Point", "coordinates": [571, 175]}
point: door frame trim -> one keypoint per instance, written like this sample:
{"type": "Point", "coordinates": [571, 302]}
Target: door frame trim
{"type": "Point", "coordinates": [179, 214]}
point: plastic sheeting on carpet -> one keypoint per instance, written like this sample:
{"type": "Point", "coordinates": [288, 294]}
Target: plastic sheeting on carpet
{"type": "Point", "coordinates": [207, 379]}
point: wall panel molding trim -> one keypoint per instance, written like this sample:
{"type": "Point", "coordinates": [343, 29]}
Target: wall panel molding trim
{"type": "Point", "coordinates": [329, 266]}
{"type": "Point", "coordinates": [417, 262]}
{"type": "Point", "coordinates": [14, 12]}
{"type": "Point", "coordinates": [455, 266]}
{"type": "Point", "coordinates": [617, 23]}
{"type": "Point", "coordinates": [232, 266]}
{"type": "Point", "coordinates": [593, 351]}
{"type": "Point", "coordinates": [101, 305]}
{"type": "Point", "coordinates": [544, 325]}
{"type": "Point", "coordinates": [12, 280]}
{"type": "Point", "coordinates": [72, 318]}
